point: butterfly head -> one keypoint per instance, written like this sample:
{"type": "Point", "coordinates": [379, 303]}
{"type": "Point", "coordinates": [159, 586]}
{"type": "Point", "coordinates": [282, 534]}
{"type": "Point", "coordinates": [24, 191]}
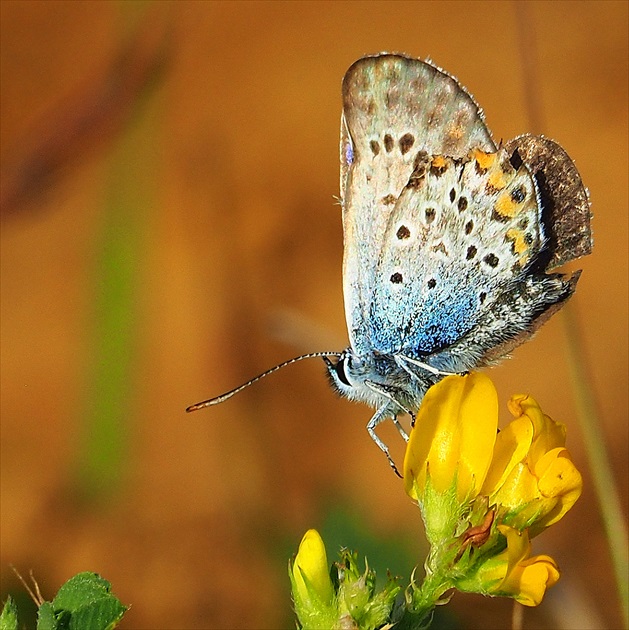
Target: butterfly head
{"type": "Point", "coordinates": [341, 373]}
{"type": "Point", "coordinates": [375, 379]}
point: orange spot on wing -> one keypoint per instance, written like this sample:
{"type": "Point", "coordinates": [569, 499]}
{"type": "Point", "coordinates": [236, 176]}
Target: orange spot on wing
{"type": "Point", "coordinates": [519, 244]}
{"type": "Point", "coordinates": [517, 236]}
{"type": "Point", "coordinates": [497, 179]}
{"type": "Point", "coordinates": [506, 207]}
{"type": "Point", "coordinates": [484, 160]}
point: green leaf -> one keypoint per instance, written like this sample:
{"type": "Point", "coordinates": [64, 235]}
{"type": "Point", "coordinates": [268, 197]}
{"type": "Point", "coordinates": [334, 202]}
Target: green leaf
{"type": "Point", "coordinates": [86, 603]}
{"type": "Point", "coordinates": [80, 590]}
{"type": "Point", "coordinates": [8, 618]}
{"type": "Point", "coordinates": [101, 615]}
{"type": "Point", "coordinates": [46, 618]}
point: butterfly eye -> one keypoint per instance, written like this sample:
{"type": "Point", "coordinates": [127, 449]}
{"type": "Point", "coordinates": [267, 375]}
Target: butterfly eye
{"type": "Point", "coordinates": [340, 371]}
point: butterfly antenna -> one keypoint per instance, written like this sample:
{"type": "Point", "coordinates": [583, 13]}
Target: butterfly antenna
{"type": "Point", "coordinates": [223, 397]}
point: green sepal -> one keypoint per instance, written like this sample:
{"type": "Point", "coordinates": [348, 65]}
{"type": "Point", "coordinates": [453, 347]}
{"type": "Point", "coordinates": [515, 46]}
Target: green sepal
{"type": "Point", "coordinates": [357, 597]}
{"type": "Point", "coordinates": [310, 610]}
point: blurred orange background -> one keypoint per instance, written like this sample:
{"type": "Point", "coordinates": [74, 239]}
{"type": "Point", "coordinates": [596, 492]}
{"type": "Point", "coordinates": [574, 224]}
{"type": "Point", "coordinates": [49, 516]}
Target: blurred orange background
{"type": "Point", "coordinates": [170, 230]}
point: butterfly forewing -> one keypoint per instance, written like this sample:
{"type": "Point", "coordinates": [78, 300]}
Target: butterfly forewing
{"type": "Point", "coordinates": [394, 109]}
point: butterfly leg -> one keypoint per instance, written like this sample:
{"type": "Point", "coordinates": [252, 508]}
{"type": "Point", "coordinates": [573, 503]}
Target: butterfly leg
{"type": "Point", "coordinates": [403, 361]}
{"type": "Point", "coordinates": [400, 428]}
{"type": "Point", "coordinates": [413, 418]}
{"type": "Point", "coordinates": [388, 392]}
{"type": "Point", "coordinates": [382, 414]}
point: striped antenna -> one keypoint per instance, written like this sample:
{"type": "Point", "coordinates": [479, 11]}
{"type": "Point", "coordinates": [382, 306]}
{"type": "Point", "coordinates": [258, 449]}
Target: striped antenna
{"type": "Point", "coordinates": [223, 397]}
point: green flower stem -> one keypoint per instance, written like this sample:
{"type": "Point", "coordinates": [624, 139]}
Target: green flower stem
{"type": "Point", "coordinates": [430, 593]}
{"type": "Point", "coordinates": [424, 598]}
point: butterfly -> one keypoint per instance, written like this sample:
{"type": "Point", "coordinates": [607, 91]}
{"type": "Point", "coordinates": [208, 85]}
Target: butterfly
{"type": "Point", "coordinates": [450, 241]}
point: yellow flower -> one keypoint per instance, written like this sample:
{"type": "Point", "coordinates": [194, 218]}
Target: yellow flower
{"type": "Point", "coordinates": [310, 572]}
{"type": "Point", "coordinates": [480, 490]}
{"type": "Point", "coordinates": [452, 443]}
{"type": "Point", "coordinates": [313, 593]}
{"type": "Point", "coordinates": [531, 475]}
{"type": "Point", "coordinates": [515, 573]}
{"type": "Point", "coordinates": [455, 454]}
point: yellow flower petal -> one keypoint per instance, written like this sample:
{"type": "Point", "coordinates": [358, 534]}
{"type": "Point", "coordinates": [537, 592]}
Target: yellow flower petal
{"type": "Point", "coordinates": [478, 427]}
{"type": "Point", "coordinates": [512, 446]}
{"type": "Point", "coordinates": [526, 578]}
{"type": "Point", "coordinates": [517, 490]}
{"type": "Point", "coordinates": [453, 439]}
{"type": "Point", "coordinates": [548, 434]}
{"type": "Point", "coordinates": [518, 545]}
{"type": "Point", "coordinates": [310, 570]}
{"type": "Point", "coordinates": [558, 479]}
{"type": "Point", "coordinates": [533, 578]}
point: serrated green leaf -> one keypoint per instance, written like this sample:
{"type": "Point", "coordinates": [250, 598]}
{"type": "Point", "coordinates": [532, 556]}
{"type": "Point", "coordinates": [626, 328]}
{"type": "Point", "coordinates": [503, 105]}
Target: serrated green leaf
{"type": "Point", "coordinates": [80, 590]}
{"type": "Point", "coordinates": [8, 618]}
{"type": "Point", "coordinates": [86, 602]}
{"type": "Point", "coordinates": [46, 618]}
{"type": "Point", "coordinates": [102, 615]}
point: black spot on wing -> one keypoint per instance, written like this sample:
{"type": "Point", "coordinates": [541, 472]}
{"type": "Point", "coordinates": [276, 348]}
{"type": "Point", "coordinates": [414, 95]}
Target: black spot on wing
{"type": "Point", "coordinates": [403, 232]}
{"type": "Point", "coordinates": [516, 160]}
{"type": "Point", "coordinates": [406, 142]}
{"type": "Point", "coordinates": [491, 260]}
{"type": "Point", "coordinates": [518, 195]}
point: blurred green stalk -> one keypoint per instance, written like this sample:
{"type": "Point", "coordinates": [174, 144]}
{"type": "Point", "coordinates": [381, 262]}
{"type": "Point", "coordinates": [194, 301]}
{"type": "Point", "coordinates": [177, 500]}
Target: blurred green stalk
{"type": "Point", "coordinates": [117, 281]}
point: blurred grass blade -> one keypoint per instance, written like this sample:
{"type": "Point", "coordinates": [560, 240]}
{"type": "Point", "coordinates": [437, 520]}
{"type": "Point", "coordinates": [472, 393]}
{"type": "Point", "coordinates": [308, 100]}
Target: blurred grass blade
{"type": "Point", "coordinates": [604, 482]}
{"type": "Point", "coordinates": [116, 282]}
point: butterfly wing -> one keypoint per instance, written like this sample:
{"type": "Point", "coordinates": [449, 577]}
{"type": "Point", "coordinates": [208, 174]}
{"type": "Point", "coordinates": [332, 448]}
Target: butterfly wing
{"type": "Point", "coordinates": [565, 200]}
{"type": "Point", "coordinates": [565, 218]}
{"type": "Point", "coordinates": [461, 235]}
{"type": "Point", "coordinates": [394, 108]}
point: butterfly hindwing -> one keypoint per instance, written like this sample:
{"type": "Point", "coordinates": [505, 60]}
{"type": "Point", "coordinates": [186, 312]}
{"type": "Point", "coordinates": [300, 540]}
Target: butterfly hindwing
{"type": "Point", "coordinates": [461, 234]}
{"type": "Point", "coordinates": [564, 198]}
